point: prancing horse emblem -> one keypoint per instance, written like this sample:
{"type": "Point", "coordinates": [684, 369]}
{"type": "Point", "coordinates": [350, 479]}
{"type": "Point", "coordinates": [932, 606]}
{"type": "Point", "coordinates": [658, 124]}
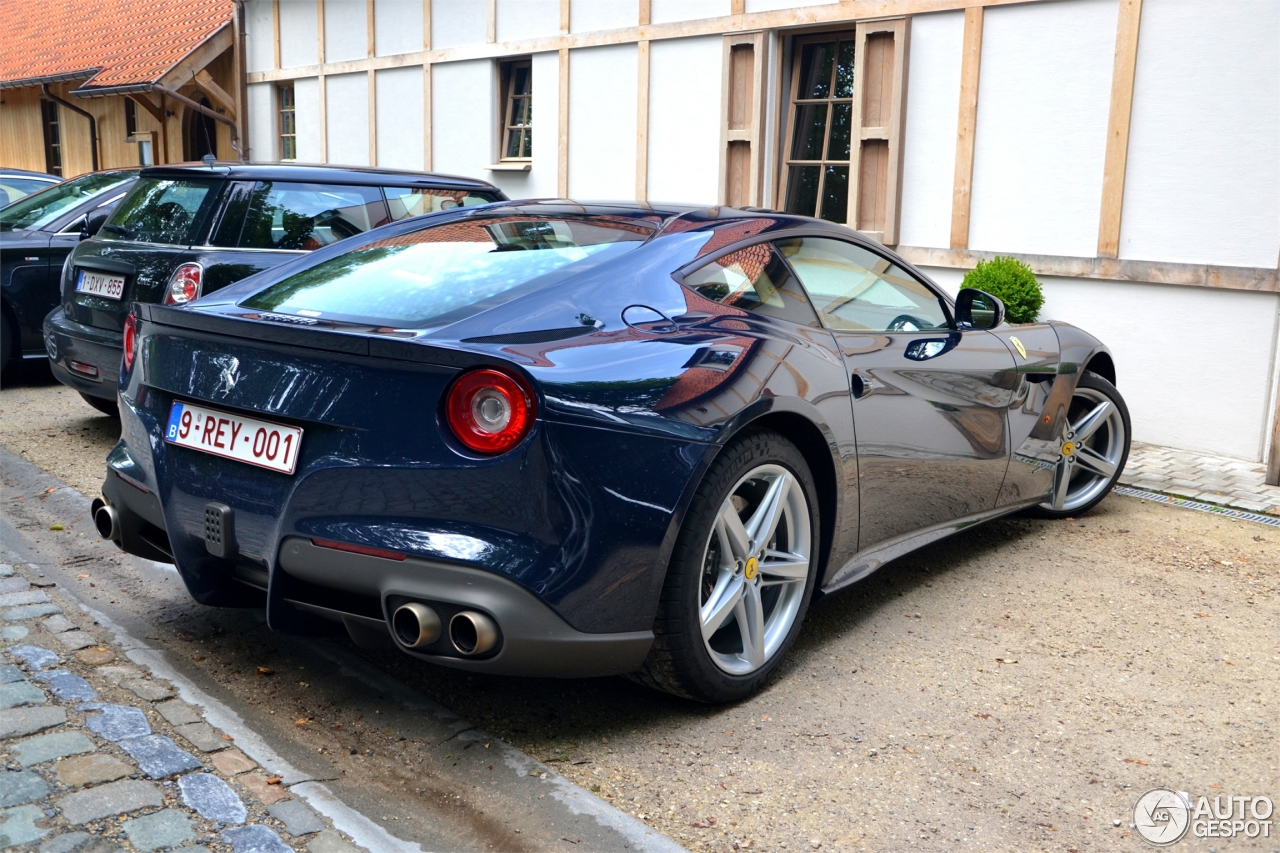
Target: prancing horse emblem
{"type": "Point", "coordinates": [1022, 351]}
{"type": "Point", "coordinates": [228, 378]}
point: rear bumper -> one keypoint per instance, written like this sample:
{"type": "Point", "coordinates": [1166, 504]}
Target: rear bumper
{"type": "Point", "coordinates": [67, 341]}
{"type": "Point", "coordinates": [535, 640]}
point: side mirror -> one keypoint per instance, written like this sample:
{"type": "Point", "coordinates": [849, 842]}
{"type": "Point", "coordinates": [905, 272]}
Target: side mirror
{"type": "Point", "coordinates": [93, 223]}
{"type": "Point", "coordinates": [976, 309]}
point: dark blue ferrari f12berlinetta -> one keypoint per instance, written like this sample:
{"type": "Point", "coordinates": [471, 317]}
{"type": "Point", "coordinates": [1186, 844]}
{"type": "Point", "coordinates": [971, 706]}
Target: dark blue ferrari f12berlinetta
{"type": "Point", "coordinates": [561, 439]}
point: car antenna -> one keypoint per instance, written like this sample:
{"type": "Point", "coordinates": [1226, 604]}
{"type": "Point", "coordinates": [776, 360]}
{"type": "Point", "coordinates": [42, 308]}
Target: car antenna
{"type": "Point", "coordinates": [209, 160]}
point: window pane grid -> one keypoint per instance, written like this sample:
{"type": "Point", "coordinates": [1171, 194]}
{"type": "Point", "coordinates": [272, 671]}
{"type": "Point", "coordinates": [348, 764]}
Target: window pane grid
{"type": "Point", "coordinates": [518, 114]}
{"type": "Point", "coordinates": [816, 179]}
{"type": "Point", "coordinates": [288, 123]}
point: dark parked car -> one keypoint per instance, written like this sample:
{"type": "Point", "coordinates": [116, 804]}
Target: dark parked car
{"type": "Point", "coordinates": [190, 229]}
{"type": "Point", "coordinates": [561, 439]}
{"type": "Point", "coordinates": [36, 235]}
{"type": "Point", "coordinates": [18, 183]}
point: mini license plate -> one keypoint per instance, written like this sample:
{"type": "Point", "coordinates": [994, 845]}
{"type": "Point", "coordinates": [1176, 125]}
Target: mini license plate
{"type": "Point", "coordinates": [100, 284]}
{"type": "Point", "coordinates": [260, 443]}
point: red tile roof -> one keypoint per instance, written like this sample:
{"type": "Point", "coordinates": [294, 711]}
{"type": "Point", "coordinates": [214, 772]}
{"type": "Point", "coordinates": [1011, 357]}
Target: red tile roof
{"type": "Point", "coordinates": [114, 42]}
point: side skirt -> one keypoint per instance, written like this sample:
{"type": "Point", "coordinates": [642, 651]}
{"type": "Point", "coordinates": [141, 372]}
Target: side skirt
{"type": "Point", "coordinates": [868, 561]}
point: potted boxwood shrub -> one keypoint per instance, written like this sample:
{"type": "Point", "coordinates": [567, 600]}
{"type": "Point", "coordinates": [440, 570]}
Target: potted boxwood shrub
{"type": "Point", "coordinates": [1012, 282]}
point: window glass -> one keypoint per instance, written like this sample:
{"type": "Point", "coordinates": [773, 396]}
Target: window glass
{"type": "Point", "coordinates": [160, 210]}
{"type": "Point", "coordinates": [444, 272]}
{"type": "Point", "coordinates": [282, 215]}
{"type": "Point", "coordinates": [754, 279]}
{"type": "Point", "coordinates": [518, 77]}
{"type": "Point", "coordinates": [415, 201]}
{"type": "Point", "coordinates": [39, 209]}
{"type": "Point", "coordinates": [817, 165]}
{"type": "Point", "coordinates": [857, 290]}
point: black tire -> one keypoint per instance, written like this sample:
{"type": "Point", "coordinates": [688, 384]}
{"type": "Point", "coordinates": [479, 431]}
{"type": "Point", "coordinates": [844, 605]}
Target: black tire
{"type": "Point", "coordinates": [107, 407]}
{"type": "Point", "coordinates": [1093, 385]}
{"type": "Point", "coordinates": [679, 661]}
{"type": "Point", "coordinates": [8, 340]}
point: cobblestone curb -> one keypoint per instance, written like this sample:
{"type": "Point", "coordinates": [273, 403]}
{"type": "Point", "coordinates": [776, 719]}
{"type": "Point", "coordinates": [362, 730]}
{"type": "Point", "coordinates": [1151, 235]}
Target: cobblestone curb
{"type": "Point", "coordinates": [1218, 480]}
{"type": "Point", "coordinates": [99, 756]}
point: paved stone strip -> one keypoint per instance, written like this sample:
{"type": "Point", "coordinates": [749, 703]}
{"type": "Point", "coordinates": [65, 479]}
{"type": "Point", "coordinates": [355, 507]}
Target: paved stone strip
{"type": "Point", "coordinates": [1218, 480]}
{"type": "Point", "coordinates": [83, 768]}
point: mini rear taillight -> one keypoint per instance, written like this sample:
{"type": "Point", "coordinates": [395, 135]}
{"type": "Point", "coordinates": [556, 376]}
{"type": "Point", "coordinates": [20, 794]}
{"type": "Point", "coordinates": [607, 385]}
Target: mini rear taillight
{"type": "Point", "coordinates": [130, 340]}
{"type": "Point", "coordinates": [185, 285]}
{"type": "Point", "coordinates": [489, 411]}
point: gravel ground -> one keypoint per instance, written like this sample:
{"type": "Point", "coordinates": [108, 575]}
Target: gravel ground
{"type": "Point", "coordinates": [1016, 687]}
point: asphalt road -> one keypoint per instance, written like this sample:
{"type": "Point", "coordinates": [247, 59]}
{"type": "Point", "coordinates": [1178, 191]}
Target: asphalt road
{"type": "Point", "coordinates": [1016, 687]}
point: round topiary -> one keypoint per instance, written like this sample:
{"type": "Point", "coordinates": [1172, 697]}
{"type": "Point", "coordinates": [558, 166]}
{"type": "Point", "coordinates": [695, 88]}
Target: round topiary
{"type": "Point", "coordinates": [1012, 282]}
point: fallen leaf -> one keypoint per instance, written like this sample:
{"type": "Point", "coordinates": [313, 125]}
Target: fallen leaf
{"type": "Point", "coordinates": [1135, 761]}
{"type": "Point", "coordinates": [983, 716]}
{"type": "Point", "coordinates": [274, 780]}
{"type": "Point", "coordinates": [55, 526]}
{"type": "Point", "coordinates": [82, 576]}
{"type": "Point", "coordinates": [1003, 660]}
{"type": "Point", "coordinates": [1219, 787]}
{"type": "Point", "coordinates": [910, 750]}
{"type": "Point", "coordinates": [1202, 615]}
{"type": "Point", "coordinates": [336, 728]}
{"type": "Point", "coordinates": [301, 722]}
{"type": "Point", "coordinates": [266, 670]}
{"type": "Point", "coordinates": [704, 824]}
{"type": "Point", "coordinates": [227, 737]}
{"type": "Point", "coordinates": [726, 733]}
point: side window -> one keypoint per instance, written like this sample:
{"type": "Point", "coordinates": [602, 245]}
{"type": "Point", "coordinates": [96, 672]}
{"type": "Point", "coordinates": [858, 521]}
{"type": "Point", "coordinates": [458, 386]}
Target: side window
{"type": "Point", "coordinates": [754, 279]}
{"type": "Point", "coordinates": [857, 290]}
{"type": "Point", "coordinates": [415, 201]}
{"type": "Point", "coordinates": [280, 215]}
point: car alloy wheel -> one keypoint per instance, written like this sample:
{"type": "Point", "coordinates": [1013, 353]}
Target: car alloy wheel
{"type": "Point", "coordinates": [741, 573]}
{"type": "Point", "coordinates": [755, 569]}
{"type": "Point", "coordinates": [1092, 449]}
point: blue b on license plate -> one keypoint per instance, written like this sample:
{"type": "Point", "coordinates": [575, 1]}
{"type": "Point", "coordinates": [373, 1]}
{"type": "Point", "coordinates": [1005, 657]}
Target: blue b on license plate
{"type": "Point", "coordinates": [261, 443]}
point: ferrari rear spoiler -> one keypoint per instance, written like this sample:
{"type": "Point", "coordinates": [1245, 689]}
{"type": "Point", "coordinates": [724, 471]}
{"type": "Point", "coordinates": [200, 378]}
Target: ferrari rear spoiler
{"type": "Point", "coordinates": [324, 338]}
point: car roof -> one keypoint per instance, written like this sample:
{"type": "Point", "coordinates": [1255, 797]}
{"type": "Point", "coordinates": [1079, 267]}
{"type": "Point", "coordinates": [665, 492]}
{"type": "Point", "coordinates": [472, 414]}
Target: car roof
{"type": "Point", "coordinates": [27, 173]}
{"type": "Point", "coordinates": [313, 173]}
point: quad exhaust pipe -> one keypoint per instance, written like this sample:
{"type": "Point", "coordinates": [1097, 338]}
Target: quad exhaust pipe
{"type": "Point", "coordinates": [470, 633]}
{"type": "Point", "coordinates": [106, 519]}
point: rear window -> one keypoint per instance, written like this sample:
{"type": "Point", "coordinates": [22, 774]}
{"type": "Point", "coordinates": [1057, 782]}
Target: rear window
{"type": "Point", "coordinates": [39, 209]}
{"type": "Point", "coordinates": [161, 210]}
{"type": "Point", "coordinates": [443, 273]}
{"type": "Point", "coordinates": [298, 216]}
{"type": "Point", "coordinates": [415, 201]}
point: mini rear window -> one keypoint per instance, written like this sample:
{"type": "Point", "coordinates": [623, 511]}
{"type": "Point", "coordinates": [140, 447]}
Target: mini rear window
{"type": "Point", "coordinates": [160, 210]}
{"type": "Point", "coordinates": [443, 273]}
{"type": "Point", "coordinates": [298, 216]}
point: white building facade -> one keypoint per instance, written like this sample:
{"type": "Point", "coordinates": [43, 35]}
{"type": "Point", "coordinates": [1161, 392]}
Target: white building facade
{"type": "Point", "coordinates": [1128, 150]}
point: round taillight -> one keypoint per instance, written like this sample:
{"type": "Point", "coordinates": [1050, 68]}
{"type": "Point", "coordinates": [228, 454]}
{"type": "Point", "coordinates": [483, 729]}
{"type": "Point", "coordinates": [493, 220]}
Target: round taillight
{"type": "Point", "coordinates": [184, 285]}
{"type": "Point", "coordinates": [130, 340]}
{"type": "Point", "coordinates": [489, 411]}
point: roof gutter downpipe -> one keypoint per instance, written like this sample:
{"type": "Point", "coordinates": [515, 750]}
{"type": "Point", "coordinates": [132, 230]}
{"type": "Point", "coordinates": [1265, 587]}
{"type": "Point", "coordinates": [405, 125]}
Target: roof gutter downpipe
{"type": "Point", "coordinates": [183, 99]}
{"type": "Point", "coordinates": [93, 122]}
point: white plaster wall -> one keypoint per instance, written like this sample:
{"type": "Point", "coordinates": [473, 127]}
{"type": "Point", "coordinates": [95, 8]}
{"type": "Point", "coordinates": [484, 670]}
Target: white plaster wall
{"type": "Point", "coordinates": [262, 121]}
{"type": "Point", "coordinates": [456, 22]}
{"type": "Point", "coordinates": [929, 141]}
{"type": "Point", "coordinates": [1043, 99]}
{"type": "Point", "coordinates": [1208, 390]}
{"type": "Point", "coordinates": [462, 117]}
{"type": "Point", "coordinates": [667, 11]}
{"type": "Point", "coordinates": [527, 19]}
{"type": "Point", "coordinates": [684, 119]}
{"type": "Point", "coordinates": [346, 30]}
{"type": "Point", "coordinates": [260, 49]}
{"type": "Point", "coordinates": [299, 33]}
{"type": "Point", "coordinates": [1203, 178]}
{"type": "Point", "coordinates": [589, 15]}
{"type": "Point", "coordinates": [397, 26]}
{"type": "Point", "coordinates": [541, 180]}
{"type": "Point", "coordinates": [306, 108]}
{"type": "Point", "coordinates": [768, 5]}
{"type": "Point", "coordinates": [347, 118]}
{"type": "Point", "coordinates": [400, 110]}
{"type": "Point", "coordinates": [602, 123]}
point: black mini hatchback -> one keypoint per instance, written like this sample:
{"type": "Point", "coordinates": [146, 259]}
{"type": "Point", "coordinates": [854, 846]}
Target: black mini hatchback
{"type": "Point", "coordinates": [187, 230]}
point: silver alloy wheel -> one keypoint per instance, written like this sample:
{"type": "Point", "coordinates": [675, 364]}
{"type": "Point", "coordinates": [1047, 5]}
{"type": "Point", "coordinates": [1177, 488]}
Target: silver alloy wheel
{"type": "Point", "coordinates": [755, 569]}
{"type": "Point", "coordinates": [1089, 453]}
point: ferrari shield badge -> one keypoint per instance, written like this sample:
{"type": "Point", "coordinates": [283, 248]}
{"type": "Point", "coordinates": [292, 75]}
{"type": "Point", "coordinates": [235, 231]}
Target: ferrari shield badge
{"type": "Point", "coordinates": [1017, 344]}
{"type": "Point", "coordinates": [751, 568]}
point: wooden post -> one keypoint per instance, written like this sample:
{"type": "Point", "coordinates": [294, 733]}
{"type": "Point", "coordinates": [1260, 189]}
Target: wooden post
{"type": "Point", "coordinates": [966, 127]}
{"type": "Point", "coordinates": [321, 87]}
{"type": "Point", "coordinates": [564, 17]}
{"type": "Point", "coordinates": [1273, 461]}
{"type": "Point", "coordinates": [562, 152]}
{"type": "Point", "coordinates": [1113, 172]}
{"type": "Point", "coordinates": [275, 31]}
{"type": "Point", "coordinates": [373, 117]}
{"type": "Point", "coordinates": [491, 22]}
{"type": "Point", "coordinates": [642, 121]}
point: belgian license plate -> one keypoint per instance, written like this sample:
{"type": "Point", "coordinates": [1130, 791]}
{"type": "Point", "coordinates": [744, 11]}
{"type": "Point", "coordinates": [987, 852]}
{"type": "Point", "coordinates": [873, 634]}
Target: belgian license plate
{"type": "Point", "coordinates": [100, 284]}
{"type": "Point", "coordinates": [261, 443]}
